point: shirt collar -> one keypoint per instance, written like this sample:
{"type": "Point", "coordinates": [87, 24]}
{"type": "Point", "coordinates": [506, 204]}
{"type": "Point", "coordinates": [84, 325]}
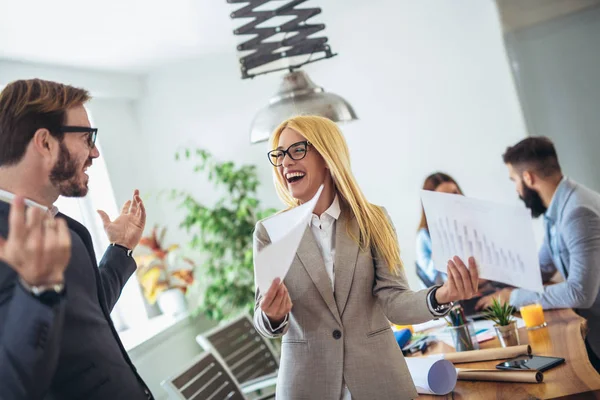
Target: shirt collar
{"type": "Point", "coordinates": [8, 197]}
{"type": "Point", "coordinates": [333, 211]}
{"type": "Point", "coordinates": [557, 199]}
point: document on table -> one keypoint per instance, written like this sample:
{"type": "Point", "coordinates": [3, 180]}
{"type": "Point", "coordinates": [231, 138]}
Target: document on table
{"type": "Point", "coordinates": [432, 375]}
{"type": "Point", "coordinates": [285, 231]}
{"type": "Point", "coordinates": [499, 237]}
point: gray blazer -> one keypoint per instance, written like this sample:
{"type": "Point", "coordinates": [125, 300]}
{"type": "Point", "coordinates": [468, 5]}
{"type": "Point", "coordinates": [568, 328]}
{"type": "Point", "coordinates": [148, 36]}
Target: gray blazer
{"type": "Point", "coordinates": [571, 246]}
{"type": "Point", "coordinates": [71, 350]}
{"type": "Point", "coordinates": [344, 334]}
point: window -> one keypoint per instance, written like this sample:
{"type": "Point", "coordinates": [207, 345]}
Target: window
{"type": "Point", "coordinates": [131, 313]}
{"type": "Point", "coordinates": [129, 310]}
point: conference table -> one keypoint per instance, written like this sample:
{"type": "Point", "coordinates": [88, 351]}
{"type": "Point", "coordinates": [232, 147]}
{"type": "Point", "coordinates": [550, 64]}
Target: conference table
{"type": "Point", "coordinates": [563, 337]}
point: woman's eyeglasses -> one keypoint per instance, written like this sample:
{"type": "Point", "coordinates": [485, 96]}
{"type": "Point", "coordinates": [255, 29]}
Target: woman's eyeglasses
{"type": "Point", "coordinates": [297, 151]}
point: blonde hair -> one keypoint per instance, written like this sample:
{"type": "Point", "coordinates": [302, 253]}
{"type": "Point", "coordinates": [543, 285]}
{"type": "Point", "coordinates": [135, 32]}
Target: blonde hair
{"type": "Point", "coordinates": [376, 231]}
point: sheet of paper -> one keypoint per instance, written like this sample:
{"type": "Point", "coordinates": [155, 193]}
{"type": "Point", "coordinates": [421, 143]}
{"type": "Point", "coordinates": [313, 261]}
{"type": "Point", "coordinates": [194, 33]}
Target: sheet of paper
{"type": "Point", "coordinates": [285, 231]}
{"type": "Point", "coordinates": [434, 323]}
{"type": "Point", "coordinates": [432, 375]}
{"type": "Point", "coordinates": [500, 237]}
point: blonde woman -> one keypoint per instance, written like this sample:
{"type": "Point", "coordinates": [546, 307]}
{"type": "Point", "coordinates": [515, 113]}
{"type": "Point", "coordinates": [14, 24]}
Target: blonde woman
{"type": "Point", "coordinates": [346, 282]}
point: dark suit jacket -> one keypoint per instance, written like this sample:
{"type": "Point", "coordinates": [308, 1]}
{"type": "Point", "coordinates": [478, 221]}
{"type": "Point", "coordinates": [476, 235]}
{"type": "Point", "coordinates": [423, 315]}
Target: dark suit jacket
{"type": "Point", "coordinates": [71, 350]}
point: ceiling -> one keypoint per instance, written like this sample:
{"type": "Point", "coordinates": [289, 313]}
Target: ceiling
{"type": "Point", "coordinates": [123, 35]}
{"type": "Point", "coordinates": [519, 14]}
{"type": "Point", "coordinates": [140, 35]}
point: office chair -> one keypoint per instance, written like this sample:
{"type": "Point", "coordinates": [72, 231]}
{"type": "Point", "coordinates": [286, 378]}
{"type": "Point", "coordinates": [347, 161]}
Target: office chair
{"type": "Point", "coordinates": [250, 357]}
{"type": "Point", "coordinates": [205, 378]}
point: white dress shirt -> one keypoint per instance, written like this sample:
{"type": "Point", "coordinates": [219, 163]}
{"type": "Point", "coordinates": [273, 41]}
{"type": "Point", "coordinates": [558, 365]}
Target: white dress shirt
{"type": "Point", "coordinates": [323, 229]}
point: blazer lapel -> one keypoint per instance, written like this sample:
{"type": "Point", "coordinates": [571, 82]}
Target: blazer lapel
{"type": "Point", "coordinates": [86, 238]}
{"type": "Point", "coordinates": [346, 256]}
{"type": "Point", "coordinates": [83, 233]}
{"type": "Point", "coordinates": [310, 257]}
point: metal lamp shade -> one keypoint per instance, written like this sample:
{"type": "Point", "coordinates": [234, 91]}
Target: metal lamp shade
{"type": "Point", "coordinates": [298, 95]}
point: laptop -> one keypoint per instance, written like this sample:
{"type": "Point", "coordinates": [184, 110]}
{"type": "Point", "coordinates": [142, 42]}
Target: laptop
{"type": "Point", "coordinates": [469, 306]}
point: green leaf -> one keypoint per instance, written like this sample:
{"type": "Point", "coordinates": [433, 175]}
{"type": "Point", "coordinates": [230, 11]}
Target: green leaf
{"type": "Point", "coordinates": [500, 313]}
{"type": "Point", "coordinates": [222, 234]}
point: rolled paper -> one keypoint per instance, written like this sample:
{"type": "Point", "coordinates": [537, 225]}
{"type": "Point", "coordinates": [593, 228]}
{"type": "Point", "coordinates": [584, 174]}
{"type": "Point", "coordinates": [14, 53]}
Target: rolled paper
{"type": "Point", "coordinates": [497, 353]}
{"type": "Point", "coordinates": [432, 375]}
{"type": "Point", "coordinates": [498, 375]}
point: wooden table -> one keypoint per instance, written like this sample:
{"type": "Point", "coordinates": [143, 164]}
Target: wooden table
{"type": "Point", "coordinates": [563, 337]}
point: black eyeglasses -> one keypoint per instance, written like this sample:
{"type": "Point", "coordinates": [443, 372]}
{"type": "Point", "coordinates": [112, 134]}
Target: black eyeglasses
{"type": "Point", "coordinates": [92, 133]}
{"type": "Point", "coordinates": [297, 151]}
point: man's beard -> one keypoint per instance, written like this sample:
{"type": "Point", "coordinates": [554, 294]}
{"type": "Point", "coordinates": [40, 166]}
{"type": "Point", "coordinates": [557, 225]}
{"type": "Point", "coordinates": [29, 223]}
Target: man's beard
{"type": "Point", "coordinates": [533, 201]}
{"type": "Point", "coordinates": [64, 175]}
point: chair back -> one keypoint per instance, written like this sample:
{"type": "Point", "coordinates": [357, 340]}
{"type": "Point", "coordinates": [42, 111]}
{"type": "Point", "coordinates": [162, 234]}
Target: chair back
{"type": "Point", "coordinates": [245, 352]}
{"type": "Point", "coordinates": [205, 378]}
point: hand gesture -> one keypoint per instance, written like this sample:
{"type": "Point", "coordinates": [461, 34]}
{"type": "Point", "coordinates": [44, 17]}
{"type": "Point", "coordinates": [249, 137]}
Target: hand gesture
{"type": "Point", "coordinates": [462, 283]}
{"type": "Point", "coordinates": [127, 229]}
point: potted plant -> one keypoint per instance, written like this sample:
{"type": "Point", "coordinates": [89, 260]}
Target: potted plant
{"type": "Point", "coordinates": [163, 273]}
{"type": "Point", "coordinates": [505, 325]}
{"type": "Point", "coordinates": [221, 235]}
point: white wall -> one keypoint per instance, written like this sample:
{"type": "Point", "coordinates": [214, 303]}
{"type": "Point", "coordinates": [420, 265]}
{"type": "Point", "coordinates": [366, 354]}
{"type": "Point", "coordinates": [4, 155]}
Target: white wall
{"type": "Point", "coordinates": [561, 94]}
{"type": "Point", "coordinates": [429, 81]}
{"type": "Point", "coordinates": [123, 146]}
{"type": "Point", "coordinates": [100, 84]}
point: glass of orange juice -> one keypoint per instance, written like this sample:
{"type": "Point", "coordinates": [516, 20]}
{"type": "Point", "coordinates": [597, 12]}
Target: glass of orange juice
{"type": "Point", "coordinates": [533, 315]}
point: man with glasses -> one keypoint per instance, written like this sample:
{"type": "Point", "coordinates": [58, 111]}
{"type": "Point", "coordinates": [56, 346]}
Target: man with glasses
{"type": "Point", "coordinates": [57, 340]}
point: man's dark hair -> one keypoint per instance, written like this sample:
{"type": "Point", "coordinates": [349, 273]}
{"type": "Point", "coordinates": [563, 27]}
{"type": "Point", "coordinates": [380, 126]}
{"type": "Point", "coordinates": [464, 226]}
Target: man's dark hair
{"type": "Point", "coordinates": [535, 153]}
{"type": "Point", "coordinates": [29, 105]}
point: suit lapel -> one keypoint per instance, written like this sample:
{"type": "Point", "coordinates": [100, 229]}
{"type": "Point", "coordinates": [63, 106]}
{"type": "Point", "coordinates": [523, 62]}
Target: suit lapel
{"type": "Point", "coordinates": [310, 257]}
{"type": "Point", "coordinates": [86, 238]}
{"type": "Point", "coordinates": [83, 233]}
{"type": "Point", "coordinates": [346, 256]}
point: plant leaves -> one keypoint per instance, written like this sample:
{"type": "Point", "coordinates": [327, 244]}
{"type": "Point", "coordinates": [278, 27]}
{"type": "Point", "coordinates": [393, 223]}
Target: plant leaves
{"type": "Point", "coordinates": [222, 234]}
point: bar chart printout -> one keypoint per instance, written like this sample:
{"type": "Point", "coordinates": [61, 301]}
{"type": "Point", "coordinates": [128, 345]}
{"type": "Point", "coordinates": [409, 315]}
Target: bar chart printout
{"type": "Point", "coordinates": [499, 236]}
